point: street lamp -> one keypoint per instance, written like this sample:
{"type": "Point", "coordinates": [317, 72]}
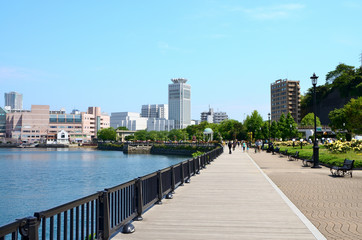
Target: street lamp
{"type": "Point", "coordinates": [269, 126]}
{"type": "Point", "coordinates": [315, 146]}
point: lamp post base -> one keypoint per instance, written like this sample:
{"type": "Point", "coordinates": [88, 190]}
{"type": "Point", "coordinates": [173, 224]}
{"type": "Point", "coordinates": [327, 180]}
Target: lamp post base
{"type": "Point", "coordinates": [316, 156]}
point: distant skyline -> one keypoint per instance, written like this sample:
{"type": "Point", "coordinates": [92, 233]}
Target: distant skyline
{"type": "Point", "coordinates": [120, 55]}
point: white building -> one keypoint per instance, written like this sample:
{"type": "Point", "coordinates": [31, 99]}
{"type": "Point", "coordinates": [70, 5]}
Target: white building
{"type": "Point", "coordinates": [159, 124]}
{"type": "Point", "coordinates": [155, 111]}
{"type": "Point", "coordinates": [14, 100]}
{"type": "Point", "coordinates": [62, 137]}
{"type": "Point", "coordinates": [131, 120]}
{"type": "Point", "coordinates": [179, 103]}
{"type": "Point", "coordinates": [213, 117]}
{"type": "Point", "coordinates": [208, 116]}
{"type": "Point", "coordinates": [220, 116]}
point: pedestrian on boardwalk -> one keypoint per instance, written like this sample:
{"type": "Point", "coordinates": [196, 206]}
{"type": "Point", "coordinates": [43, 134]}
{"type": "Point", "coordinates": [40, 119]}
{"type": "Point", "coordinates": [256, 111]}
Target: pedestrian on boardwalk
{"type": "Point", "coordinates": [244, 146]}
{"type": "Point", "coordinates": [229, 145]}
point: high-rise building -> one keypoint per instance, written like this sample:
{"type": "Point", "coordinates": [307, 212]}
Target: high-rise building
{"type": "Point", "coordinates": [14, 100]}
{"type": "Point", "coordinates": [155, 111]}
{"type": "Point", "coordinates": [179, 103]}
{"type": "Point", "coordinates": [285, 98]}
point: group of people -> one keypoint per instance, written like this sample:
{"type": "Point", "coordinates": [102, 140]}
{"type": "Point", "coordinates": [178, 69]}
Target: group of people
{"type": "Point", "coordinates": [235, 143]}
{"type": "Point", "coordinates": [245, 145]}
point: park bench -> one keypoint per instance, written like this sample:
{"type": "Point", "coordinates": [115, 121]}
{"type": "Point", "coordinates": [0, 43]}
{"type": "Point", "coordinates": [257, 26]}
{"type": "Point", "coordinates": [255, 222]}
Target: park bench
{"type": "Point", "coordinates": [295, 156]}
{"type": "Point", "coordinates": [307, 162]}
{"type": "Point", "coordinates": [345, 169]}
{"type": "Point", "coordinates": [276, 150]}
{"type": "Point", "coordinates": [283, 152]}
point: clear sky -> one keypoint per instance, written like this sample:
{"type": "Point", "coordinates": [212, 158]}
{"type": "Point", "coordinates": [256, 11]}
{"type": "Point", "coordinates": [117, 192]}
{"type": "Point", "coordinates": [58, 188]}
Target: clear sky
{"type": "Point", "coordinates": [119, 55]}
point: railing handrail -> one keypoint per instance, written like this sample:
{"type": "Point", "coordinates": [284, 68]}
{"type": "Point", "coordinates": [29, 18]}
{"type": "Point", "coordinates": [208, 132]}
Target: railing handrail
{"type": "Point", "coordinates": [103, 201]}
{"type": "Point", "coordinates": [59, 209]}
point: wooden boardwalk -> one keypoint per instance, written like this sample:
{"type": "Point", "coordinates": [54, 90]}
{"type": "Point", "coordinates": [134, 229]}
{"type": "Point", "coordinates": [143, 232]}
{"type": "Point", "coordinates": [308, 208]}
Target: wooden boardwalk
{"type": "Point", "coordinates": [231, 199]}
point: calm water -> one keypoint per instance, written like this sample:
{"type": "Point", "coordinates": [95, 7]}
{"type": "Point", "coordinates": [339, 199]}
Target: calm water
{"type": "Point", "coordinates": [33, 180]}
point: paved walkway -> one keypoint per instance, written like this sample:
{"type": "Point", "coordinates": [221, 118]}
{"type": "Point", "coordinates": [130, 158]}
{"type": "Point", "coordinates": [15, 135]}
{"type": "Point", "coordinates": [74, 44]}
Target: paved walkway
{"type": "Point", "coordinates": [333, 205]}
{"type": "Point", "coordinates": [231, 199]}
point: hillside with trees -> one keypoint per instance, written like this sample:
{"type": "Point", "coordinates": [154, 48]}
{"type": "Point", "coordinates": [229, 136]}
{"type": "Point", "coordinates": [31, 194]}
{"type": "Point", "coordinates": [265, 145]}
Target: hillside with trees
{"type": "Point", "coordinates": [342, 84]}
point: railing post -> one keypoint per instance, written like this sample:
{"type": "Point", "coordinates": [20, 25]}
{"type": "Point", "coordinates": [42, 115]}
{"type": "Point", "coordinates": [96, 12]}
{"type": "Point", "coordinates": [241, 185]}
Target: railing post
{"type": "Point", "coordinates": [159, 183]}
{"type": "Point", "coordinates": [198, 164]}
{"type": "Point", "coordinates": [173, 184]}
{"type": "Point", "coordinates": [29, 229]}
{"type": "Point", "coordinates": [195, 167]}
{"type": "Point", "coordinates": [188, 180]}
{"type": "Point", "coordinates": [103, 220]}
{"type": "Point", "coordinates": [182, 174]}
{"type": "Point", "coordinates": [139, 199]}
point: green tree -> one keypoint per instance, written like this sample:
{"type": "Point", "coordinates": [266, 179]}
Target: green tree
{"type": "Point", "coordinates": [265, 130]}
{"type": "Point", "coordinates": [282, 127]}
{"type": "Point", "coordinates": [230, 129]}
{"type": "Point", "coordinates": [177, 134]}
{"type": "Point", "coordinates": [308, 120]}
{"type": "Point", "coordinates": [107, 134]}
{"type": "Point", "coordinates": [353, 111]}
{"type": "Point", "coordinates": [291, 125]}
{"type": "Point", "coordinates": [274, 130]}
{"type": "Point", "coordinates": [122, 128]}
{"type": "Point", "coordinates": [253, 124]}
{"type": "Point", "coordinates": [140, 135]}
{"type": "Point", "coordinates": [337, 118]}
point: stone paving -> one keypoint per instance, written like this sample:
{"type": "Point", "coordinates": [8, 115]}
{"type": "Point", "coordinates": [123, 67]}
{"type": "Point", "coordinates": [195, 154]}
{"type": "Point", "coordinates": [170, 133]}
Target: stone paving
{"type": "Point", "coordinates": [332, 204]}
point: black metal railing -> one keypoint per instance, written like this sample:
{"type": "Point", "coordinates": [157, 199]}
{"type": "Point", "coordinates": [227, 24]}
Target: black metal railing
{"type": "Point", "coordinates": [102, 214]}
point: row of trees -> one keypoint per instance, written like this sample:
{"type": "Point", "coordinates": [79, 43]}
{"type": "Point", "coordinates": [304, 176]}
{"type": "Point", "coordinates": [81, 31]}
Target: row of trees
{"type": "Point", "coordinates": [254, 127]}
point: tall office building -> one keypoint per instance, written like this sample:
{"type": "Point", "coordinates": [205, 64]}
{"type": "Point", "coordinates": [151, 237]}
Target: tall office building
{"type": "Point", "coordinates": [179, 103]}
{"type": "Point", "coordinates": [14, 100]}
{"type": "Point", "coordinates": [285, 97]}
{"type": "Point", "coordinates": [155, 111]}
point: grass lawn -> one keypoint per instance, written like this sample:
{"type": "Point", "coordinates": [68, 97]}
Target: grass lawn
{"type": "Point", "coordinates": [325, 156]}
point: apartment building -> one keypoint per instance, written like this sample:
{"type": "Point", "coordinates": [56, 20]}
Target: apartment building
{"type": "Point", "coordinates": [285, 98]}
{"type": "Point", "coordinates": [213, 117]}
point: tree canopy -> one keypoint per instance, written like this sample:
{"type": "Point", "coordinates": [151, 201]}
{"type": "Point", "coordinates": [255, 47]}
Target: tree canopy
{"type": "Point", "coordinates": [349, 117]}
{"type": "Point", "coordinates": [308, 120]}
{"type": "Point", "coordinates": [107, 134]}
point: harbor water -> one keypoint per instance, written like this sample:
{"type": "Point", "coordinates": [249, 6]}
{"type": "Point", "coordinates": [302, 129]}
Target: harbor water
{"type": "Point", "coordinates": [33, 180]}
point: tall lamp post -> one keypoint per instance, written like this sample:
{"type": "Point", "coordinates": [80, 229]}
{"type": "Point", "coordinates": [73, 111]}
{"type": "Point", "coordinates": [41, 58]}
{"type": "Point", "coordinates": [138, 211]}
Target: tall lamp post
{"type": "Point", "coordinates": [269, 126]}
{"type": "Point", "coordinates": [315, 146]}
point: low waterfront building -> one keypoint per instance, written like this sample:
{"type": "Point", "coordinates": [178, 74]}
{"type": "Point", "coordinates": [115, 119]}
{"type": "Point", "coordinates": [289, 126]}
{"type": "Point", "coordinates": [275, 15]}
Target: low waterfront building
{"type": "Point", "coordinates": [39, 124]}
{"type": "Point", "coordinates": [3, 113]}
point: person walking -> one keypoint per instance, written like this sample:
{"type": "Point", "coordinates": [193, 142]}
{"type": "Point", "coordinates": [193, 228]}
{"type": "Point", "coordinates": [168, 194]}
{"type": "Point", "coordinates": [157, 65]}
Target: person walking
{"type": "Point", "coordinates": [229, 145]}
{"type": "Point", "coordinates": [244, 146]}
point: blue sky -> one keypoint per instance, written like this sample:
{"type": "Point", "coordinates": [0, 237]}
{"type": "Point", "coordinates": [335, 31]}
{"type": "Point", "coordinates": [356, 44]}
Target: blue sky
{"type": "Point", "coordinates": [121, 54]}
